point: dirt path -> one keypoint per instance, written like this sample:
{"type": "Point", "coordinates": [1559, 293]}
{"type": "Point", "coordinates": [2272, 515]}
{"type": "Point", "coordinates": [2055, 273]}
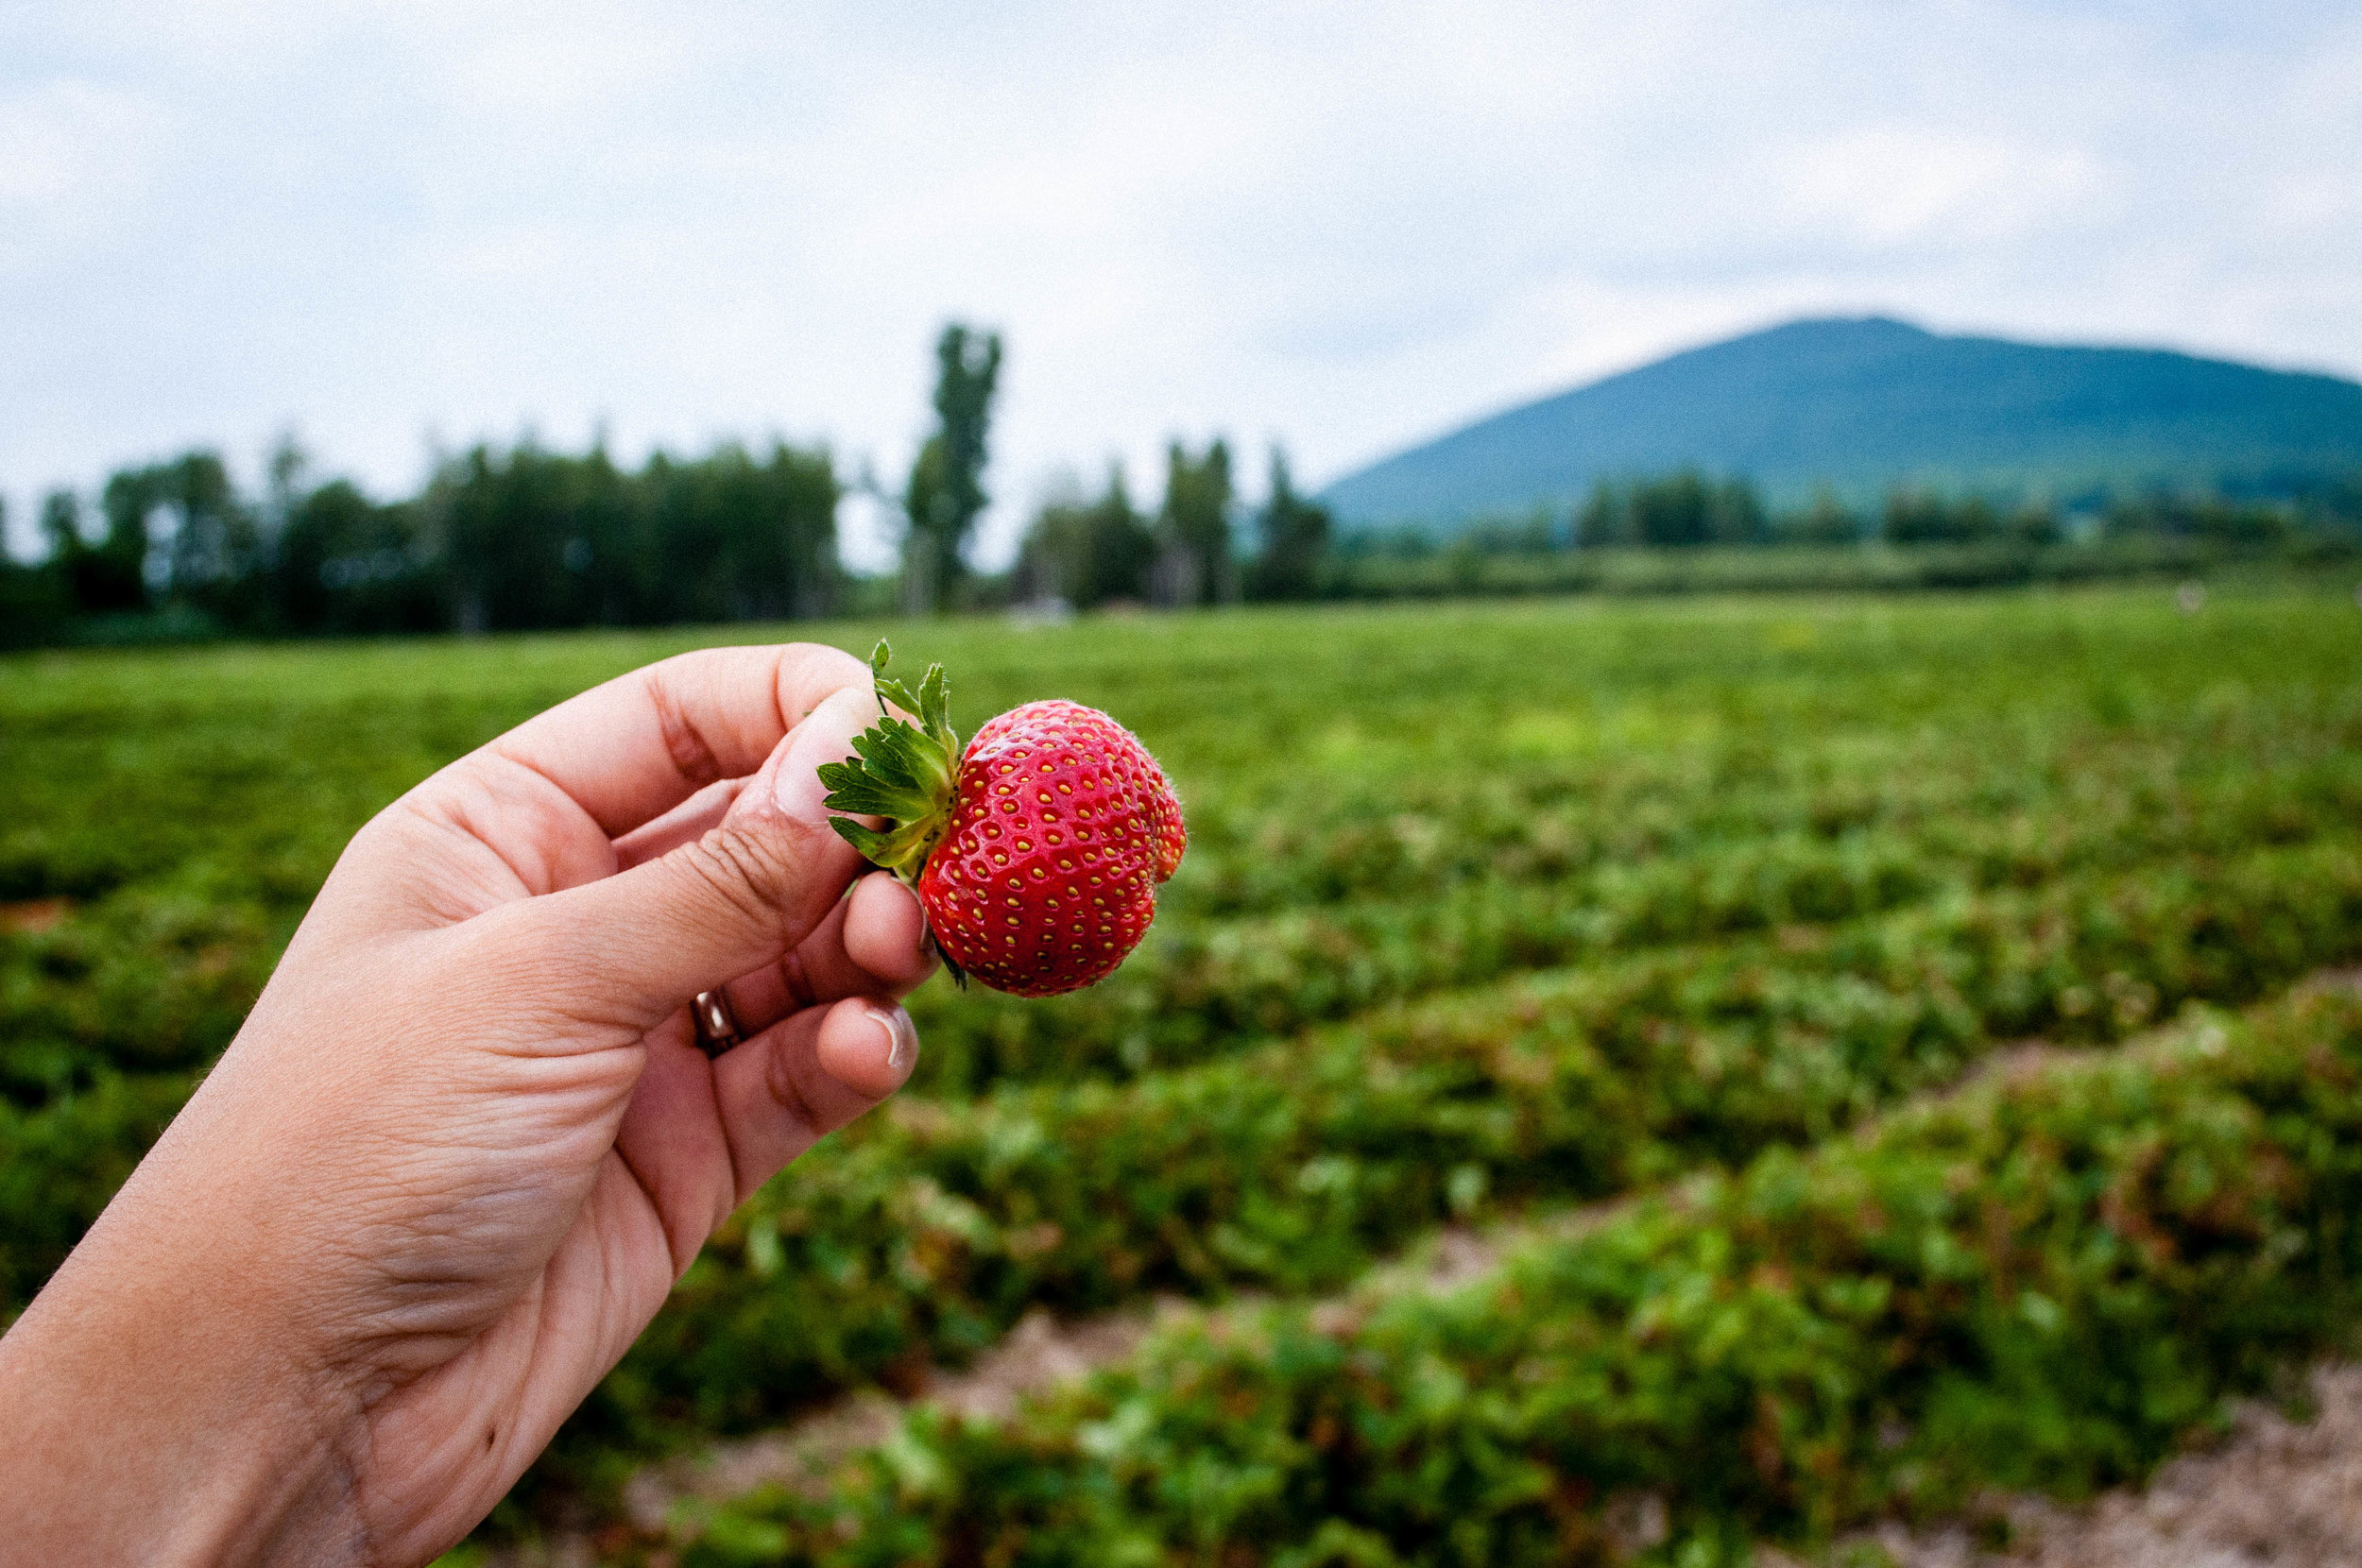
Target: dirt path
{"type": "Point", "coordinates": [1039, 1353]}
{"type": "Point", "coordinates": [2275, 1491]}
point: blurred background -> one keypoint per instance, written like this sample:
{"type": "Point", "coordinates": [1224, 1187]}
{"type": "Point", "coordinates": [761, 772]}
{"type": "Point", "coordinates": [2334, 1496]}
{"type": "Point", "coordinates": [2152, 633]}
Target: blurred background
{"type": "Point", "coordinates": [378, 239]}
{"type": "Point", "coordinates": [1755, 607]}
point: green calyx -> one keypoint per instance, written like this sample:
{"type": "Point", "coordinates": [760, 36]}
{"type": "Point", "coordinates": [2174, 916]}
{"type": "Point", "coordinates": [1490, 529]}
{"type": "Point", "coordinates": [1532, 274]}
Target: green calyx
{"type": "Point", "coordinates": [902, 771]}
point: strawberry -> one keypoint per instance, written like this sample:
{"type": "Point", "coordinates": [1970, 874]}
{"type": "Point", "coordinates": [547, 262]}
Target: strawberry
{"type": "Point", "coordinates": [1036, 852]}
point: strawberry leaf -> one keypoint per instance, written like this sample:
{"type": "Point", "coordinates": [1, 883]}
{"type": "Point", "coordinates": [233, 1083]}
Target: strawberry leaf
{"type": "Point", "coordinates": [900, 771]}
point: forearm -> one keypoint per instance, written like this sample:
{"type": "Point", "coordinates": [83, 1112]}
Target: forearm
{"type": "Point", "coordinates": [156, 1409]}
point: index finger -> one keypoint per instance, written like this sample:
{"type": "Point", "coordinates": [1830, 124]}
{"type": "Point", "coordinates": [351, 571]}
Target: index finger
{"type": "Point", "coordinates": [632, 749]}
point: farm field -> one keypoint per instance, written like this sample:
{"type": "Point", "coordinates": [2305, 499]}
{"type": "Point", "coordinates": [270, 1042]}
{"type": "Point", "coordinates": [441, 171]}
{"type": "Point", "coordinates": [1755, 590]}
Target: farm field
{"type": "Point", "coordinates": [1685, 917]}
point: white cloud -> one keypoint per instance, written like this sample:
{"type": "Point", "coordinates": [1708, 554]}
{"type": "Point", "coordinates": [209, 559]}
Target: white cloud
{"type": "Point", "coordinates": [1344, 225]}
{"type": "Point", "coordinates": [1891, 184]}
{"type": "Point", "coordinates": [70, 152]}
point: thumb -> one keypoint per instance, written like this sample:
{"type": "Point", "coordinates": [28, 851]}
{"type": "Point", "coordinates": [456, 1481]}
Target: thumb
{"type": "Point", "coordinates": [645, 941]}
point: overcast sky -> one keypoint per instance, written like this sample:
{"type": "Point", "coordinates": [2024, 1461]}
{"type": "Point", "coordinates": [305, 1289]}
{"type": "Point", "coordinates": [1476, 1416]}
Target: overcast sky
{"type": "Point", "coordinates": [1344, 226]}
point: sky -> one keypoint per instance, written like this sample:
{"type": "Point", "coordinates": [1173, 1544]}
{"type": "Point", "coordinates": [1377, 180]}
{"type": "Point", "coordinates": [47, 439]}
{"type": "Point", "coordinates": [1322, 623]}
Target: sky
{"type": "Point", "coordinates": [399, 229]}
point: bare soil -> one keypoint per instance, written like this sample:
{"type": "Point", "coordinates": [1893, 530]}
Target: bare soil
{"type": "Point", "coordinates": [1038, 1354]}
{"type": "Point", "coordinates": [2276, 1491]}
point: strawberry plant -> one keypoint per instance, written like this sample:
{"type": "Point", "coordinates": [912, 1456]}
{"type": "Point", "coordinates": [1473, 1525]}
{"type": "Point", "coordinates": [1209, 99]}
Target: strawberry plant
{"type": "Point", "coordinates": [2045, 1282]}
{"type": "Point", "coordinates": [1485, 909]}
{"type": "Point", "coordinates": [929, 1233]}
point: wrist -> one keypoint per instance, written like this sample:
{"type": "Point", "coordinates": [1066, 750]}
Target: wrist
{"type": "Point", "coordinates": [157, 1407]}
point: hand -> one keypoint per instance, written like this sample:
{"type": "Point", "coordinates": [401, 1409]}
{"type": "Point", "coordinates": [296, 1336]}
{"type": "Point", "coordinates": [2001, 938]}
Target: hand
{"type": "Point", "coordinates": [465, 1142]}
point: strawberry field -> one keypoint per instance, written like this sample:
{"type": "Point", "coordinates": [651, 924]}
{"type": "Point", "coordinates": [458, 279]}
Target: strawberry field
{"type": "Point", "coordinates": [1650, 945]}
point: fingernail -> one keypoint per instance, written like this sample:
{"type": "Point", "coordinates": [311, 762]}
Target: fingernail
{"type": "Point", "coordinates": [901, 1036]}
{"type": "Point", "coordinates": [826, 735]}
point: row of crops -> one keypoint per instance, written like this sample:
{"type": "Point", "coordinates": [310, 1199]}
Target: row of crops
{"type": "Point", "coordinates": [1487, 913]}
{"type": "Point", "coordinates": [2047, 1282]}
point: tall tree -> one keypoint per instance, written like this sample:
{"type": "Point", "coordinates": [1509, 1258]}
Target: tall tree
{"type": "Point", "coordinates": [119, 579]}
{"type": "Point", "coordinates": [34, 604]}
{"type": "Point", "coordinates": [1735, 514]}
{"type": "Point", "coordinates": [1087, 552]}
{"type": "Point", "coordinates": [1828, 520]}
{"type": "Point", "coordinates": [215, 543]}
{"type": "Point", "coordinates": [1193, 530]}
{"type": "Point", "coordinates": [1195, 564]}
{"type": "Point", "coordinates": [344, 565]}
{"type": "Point", "coordinates": [945, 493]}
{"type": "Point", "coordinates": [1605, 519]}
{"type": "Point", "coordinates": [1677, 510]}
{"type": "Point", "coordinates": [99, 579]}
{"type": "Point", "coordinates": [1925, 517]}
{"type": "Point", "coordinates": [1293, 535]}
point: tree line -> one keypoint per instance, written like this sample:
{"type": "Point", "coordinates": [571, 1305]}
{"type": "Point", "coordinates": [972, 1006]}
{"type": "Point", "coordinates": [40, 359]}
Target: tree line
{"type": "Point", "coordinates": [498, 539]}
{"type": "Point", "coordinates": [1088, 552]}
{"type": "Point", "coordinates": [1687, 509]}
{"type": "Point", "coordinates": [523, 539]}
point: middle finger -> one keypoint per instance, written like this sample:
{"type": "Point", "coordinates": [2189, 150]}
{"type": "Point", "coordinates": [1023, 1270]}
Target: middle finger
{"type": "Point", "coordinates": [872, 944]}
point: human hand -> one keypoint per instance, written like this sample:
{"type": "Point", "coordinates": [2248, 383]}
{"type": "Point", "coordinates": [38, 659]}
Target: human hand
{"type": "Point", "coordinates": [465, 1142]}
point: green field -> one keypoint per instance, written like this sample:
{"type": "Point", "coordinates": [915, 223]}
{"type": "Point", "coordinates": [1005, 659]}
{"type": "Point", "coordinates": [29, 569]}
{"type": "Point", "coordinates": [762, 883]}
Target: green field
{"type": "Point", "coordinates": [1491, 912]}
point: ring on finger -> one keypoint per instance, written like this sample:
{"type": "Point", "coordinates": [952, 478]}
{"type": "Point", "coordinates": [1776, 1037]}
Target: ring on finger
{"type": "Point", "coordinates": [717, 1025]}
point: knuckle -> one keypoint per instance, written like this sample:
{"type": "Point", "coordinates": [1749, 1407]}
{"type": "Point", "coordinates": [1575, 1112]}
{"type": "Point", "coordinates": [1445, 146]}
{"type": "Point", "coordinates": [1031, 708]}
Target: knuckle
{"type": "Point", "coordinates": [692, 754]}
{"type": "Point", "coordinates": [740, 868]}
{"type": "Point", "coordinates": [756, 868]}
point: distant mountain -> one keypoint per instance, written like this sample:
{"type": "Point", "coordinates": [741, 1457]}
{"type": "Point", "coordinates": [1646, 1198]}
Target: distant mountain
{"type": "Point", "coordinates": [1864, 404]}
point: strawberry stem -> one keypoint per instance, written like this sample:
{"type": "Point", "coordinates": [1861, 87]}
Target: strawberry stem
{"type": "Point", "coordinates": [901, 772]}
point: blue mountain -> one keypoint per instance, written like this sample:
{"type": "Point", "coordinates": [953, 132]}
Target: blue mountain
{"type": "Point", "coordinates": [1861, 405]}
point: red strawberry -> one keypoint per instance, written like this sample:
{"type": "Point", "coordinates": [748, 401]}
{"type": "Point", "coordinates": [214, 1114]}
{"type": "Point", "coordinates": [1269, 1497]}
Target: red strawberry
{"type": "Point", "coordinates": [1036, 852]}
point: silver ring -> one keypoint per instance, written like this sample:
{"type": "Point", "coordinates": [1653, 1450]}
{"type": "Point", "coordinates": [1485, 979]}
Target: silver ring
{"type": "Point", "coordinates": [717, 1025]}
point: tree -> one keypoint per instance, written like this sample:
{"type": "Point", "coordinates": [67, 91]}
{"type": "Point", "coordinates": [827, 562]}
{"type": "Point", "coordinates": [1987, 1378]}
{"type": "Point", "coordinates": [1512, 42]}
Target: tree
{"type": "Point", "coordinates": [1605, 519]}
{"type": "Point", "coordinates": [732, 538]}
{"type": "Point", "coordinates": [1676, 511]}
{"type": "Point", "coordinates": [2210, 520]}
{"type": "Point", "coordinates": [285, 472]}
{"type": "Point", "coordinates": [502, 539]}
{"type": "Point", "coordinates": [346, 566]}
{"type": "Point", "coordinates": [1735, 514]}
{"type": "Point", "coordinates": [100, 579]}
{"type": "Point", "coordinates": [946, 491]}
{"type": "Point", "coordinates": [1119, 547]}
{"type": "Point", "coordinates": [1087, 553]}
{"type": "Point", "coordinates": [1193, 562]}
{"type": "Point", "coordinates": [1049, 557]}
{"type": "Point", "coordinates": [513, 523]}
{"type": "Point", "coordinates": [1293, 537]}
{"type": "Point", "coordinates": [117, 574]}
{"type": "Point", "coordinates": [208, 559]}
{"type": "Point", "coordinates": [33, 601]}
{"type": "Point", "coordinates": [215, 543]}
{"type": "Point", "coordinates": [1828, 520]}
{"type": "Point", "coordinates": [2032, 525]}
{"type": "Point", "coordinates": [1924, 517]}
{"type": "Point", "coordinates": [537, 538]}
